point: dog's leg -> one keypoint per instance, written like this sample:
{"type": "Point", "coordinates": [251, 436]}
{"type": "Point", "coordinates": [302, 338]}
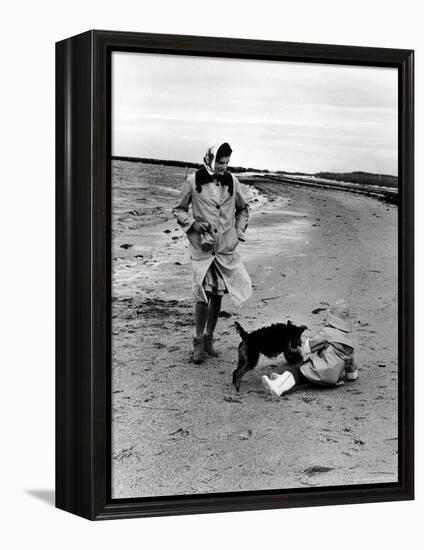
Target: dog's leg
{"type": "Point", "coordinates": [248, 360]}
{"type": "Point", "coordinates": [242, 360]}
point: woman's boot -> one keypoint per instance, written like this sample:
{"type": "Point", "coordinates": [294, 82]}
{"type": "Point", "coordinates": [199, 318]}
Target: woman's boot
{"type": "Point", "coordinates": [198, 350]}
{"type": "Point", "coordinates": [209, 345]}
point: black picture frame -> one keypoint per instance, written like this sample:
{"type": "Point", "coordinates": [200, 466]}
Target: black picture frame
{"type": "Point", "coordinates": [83, 274]}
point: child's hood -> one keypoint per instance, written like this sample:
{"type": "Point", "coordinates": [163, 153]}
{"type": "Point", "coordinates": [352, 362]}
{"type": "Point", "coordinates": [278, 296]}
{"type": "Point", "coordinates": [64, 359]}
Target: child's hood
{"type": "Point", "coordinates": [337, 322]}
{"type": "Point", "coordinates": [332, 334]}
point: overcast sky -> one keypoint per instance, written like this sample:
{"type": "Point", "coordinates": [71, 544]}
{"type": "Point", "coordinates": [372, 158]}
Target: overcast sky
{"type": "Point", "coordinates": [281, 116]}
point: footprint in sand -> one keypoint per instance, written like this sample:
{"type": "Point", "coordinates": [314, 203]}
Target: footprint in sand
{"type": "Point", "coordinates": [314, 470]}
{"type": "Point", "coordinates": [309, 475]}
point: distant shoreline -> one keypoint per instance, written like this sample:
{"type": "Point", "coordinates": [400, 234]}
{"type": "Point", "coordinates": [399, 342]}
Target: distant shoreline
{"type": "Point", "coordinates": [265, 183]}
{"type": "Point", "coordinates": [357, 177]}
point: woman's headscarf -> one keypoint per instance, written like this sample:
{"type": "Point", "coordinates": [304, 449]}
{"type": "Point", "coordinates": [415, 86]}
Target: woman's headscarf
{"type": "Point", "coordinates": [207, 172]}
{"type": "Point", "coordinates": [210, 157]}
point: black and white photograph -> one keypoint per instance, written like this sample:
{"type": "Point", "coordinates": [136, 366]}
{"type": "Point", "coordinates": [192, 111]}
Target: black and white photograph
{"type": "Point", "coordinates": [254, 275]}
{"type": "Point", "coordinates": [211, 226]}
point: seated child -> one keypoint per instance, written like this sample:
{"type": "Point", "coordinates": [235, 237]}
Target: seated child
{"type": "Point", "coordinates": [328, 357]}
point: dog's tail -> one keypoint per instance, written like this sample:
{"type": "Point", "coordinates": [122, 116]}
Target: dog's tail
{"type": "Point", "coordinates": [241, 330]}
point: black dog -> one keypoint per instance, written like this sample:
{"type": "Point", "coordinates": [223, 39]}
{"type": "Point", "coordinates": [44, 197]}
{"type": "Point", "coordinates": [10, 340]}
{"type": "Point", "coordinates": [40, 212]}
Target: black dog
{"type": "Point", "coordinates": [270, 341]}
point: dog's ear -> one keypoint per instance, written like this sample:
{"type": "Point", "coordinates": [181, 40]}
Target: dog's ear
{"type": "Point", "coordinates": [302, 328]}
{"type": "Point", "coordinates": [289, 323]}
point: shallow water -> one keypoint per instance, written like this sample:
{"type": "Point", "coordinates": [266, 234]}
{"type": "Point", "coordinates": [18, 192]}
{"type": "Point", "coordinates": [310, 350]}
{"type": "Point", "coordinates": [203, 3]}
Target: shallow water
{"type": "Point", "coordinates": [157, 262]}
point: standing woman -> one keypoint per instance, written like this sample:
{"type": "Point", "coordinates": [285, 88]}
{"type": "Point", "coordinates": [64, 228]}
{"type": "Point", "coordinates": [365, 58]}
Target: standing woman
{"type": "Point", "coordinates": [216, 224]}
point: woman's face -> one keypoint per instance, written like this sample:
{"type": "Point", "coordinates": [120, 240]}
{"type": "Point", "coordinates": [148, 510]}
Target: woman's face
{"type": "Point", "coordinates": [221, 165]}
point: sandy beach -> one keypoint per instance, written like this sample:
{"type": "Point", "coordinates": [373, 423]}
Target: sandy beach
{"type": "Point", "coordinates": [180, 428]}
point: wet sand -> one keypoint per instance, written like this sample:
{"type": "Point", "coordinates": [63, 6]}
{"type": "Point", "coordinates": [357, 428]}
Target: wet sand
{"type": "Point", "coordinates": [179, 428]}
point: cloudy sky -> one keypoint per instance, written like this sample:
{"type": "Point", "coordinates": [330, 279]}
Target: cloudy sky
{"type": "Point", "coordinates": [281, 116]}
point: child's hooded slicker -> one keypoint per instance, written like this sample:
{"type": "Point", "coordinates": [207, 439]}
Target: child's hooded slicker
{"type": "Point", "coordinates": [224, 207]}
{"type": "Point", "coordinates": [330, 358]}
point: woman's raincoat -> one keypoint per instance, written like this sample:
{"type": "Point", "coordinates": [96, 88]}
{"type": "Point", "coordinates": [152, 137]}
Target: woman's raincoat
{"type": "Point", "coordinates": [219, 201]}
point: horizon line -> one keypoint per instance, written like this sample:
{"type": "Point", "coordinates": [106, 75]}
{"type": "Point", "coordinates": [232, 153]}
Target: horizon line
{"type": "Point", "coordinates": [191, 164]}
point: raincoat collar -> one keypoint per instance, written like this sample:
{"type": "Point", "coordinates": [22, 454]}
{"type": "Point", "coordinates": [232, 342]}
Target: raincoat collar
{"type": "Point", "coordinates": [203, 176]}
